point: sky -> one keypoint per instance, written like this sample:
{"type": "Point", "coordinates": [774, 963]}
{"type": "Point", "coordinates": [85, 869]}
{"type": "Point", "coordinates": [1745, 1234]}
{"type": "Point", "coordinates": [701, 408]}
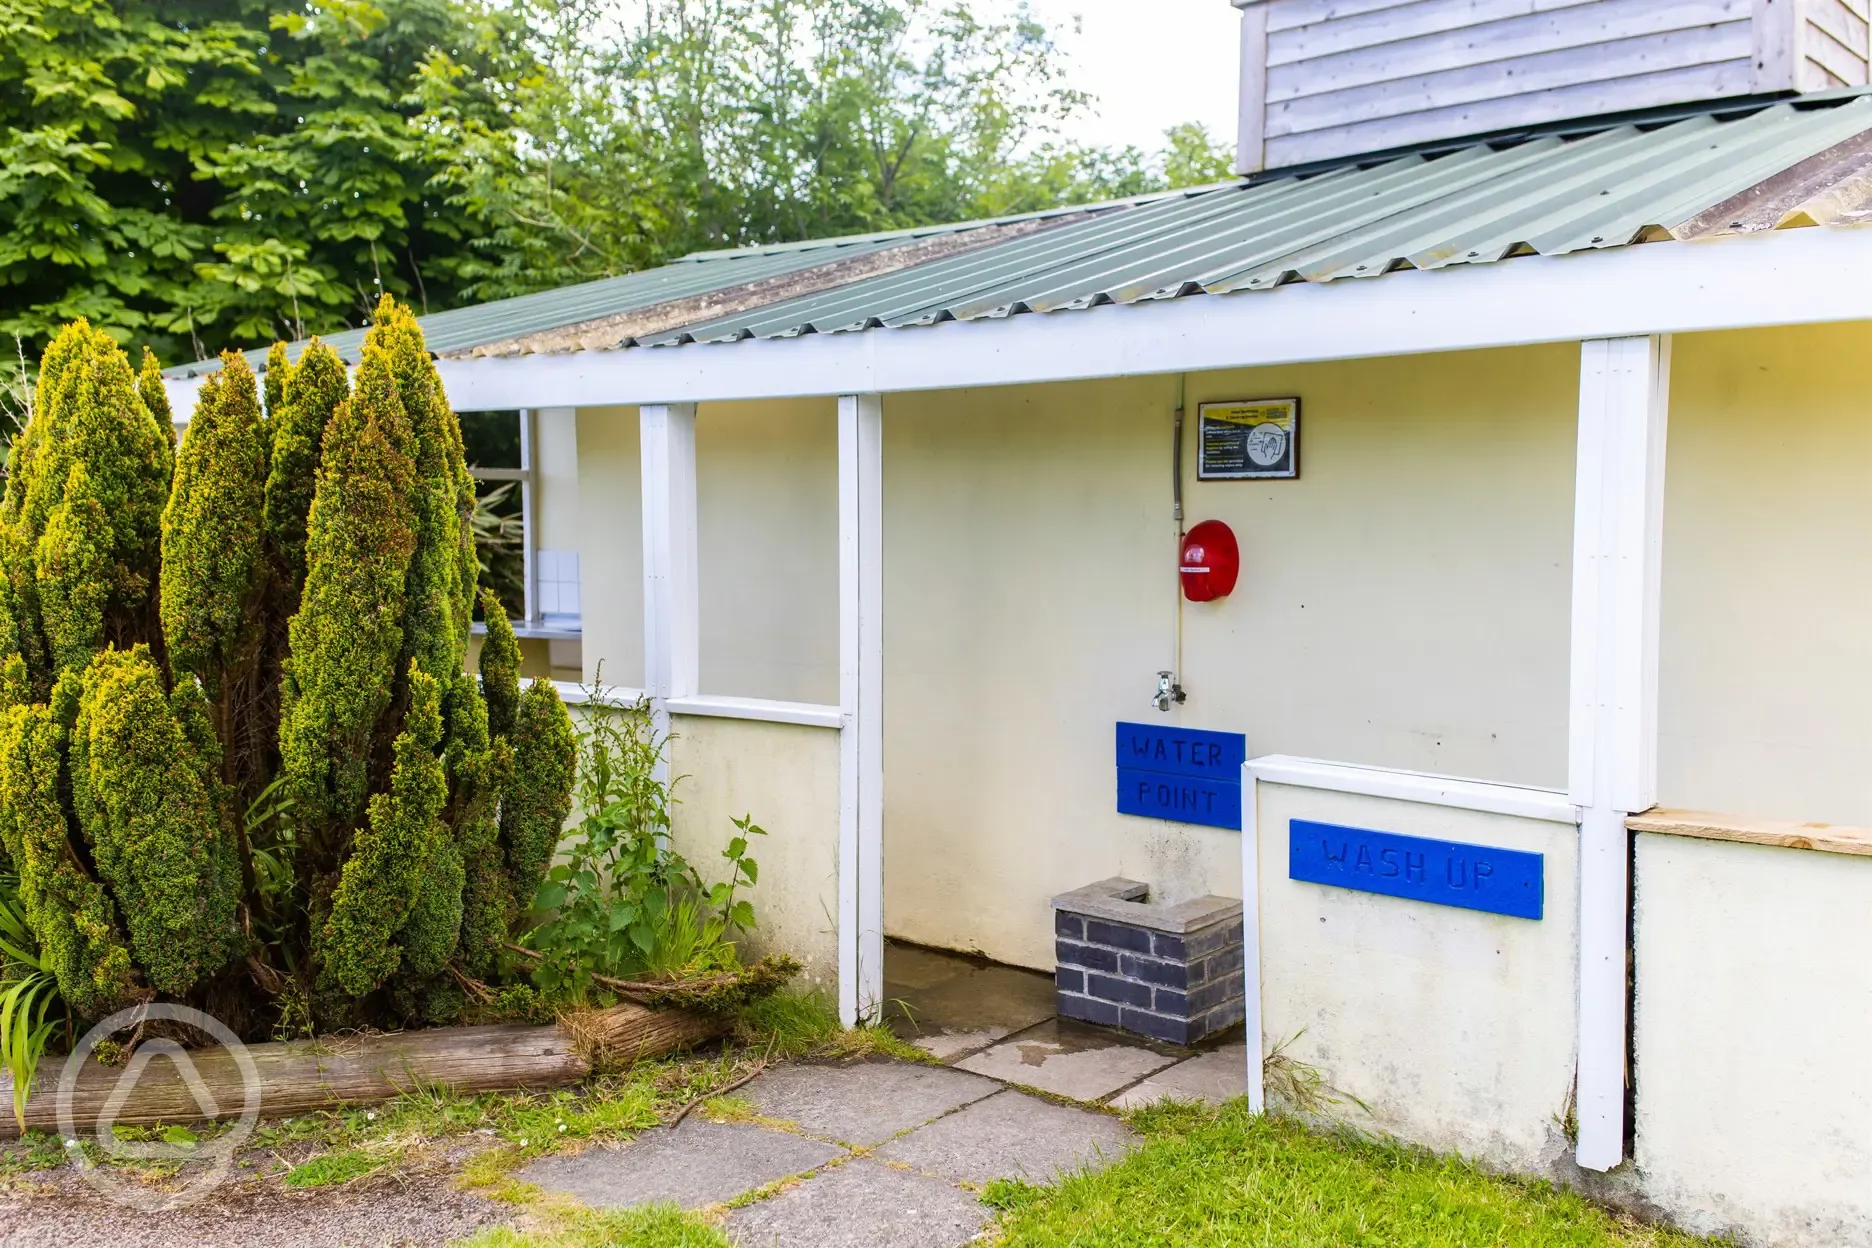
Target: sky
{"type": "Point", "coordinates": [1152, 63]}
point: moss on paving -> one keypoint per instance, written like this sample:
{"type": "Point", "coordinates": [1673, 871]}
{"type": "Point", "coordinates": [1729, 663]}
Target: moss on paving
{"type": "Point", "coordinates": [1224, 1178]}
{"type": "Point", "coordinates": [649, 1226]}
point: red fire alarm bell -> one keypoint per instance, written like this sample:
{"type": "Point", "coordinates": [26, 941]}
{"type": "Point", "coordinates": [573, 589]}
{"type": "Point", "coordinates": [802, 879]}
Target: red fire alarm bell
{"type": "Point", "coordinates": [1210, 563]}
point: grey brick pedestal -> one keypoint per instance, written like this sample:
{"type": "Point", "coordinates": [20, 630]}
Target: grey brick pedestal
{"type": "Point", "coordinates": [1169, 972]}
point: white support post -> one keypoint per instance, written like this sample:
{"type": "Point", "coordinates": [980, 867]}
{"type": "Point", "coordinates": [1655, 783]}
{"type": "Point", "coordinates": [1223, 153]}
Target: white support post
{"type": "Point", "coordinates": [1251, 939]}
{"type": "Point", "coordinates": [861, 703]}
{"type": "Point", "coordinates": [672, 599]}
{"type": "Point", "coordinates": [529, 517]}
{"type": "Point", "coordinates": [1612, 756]}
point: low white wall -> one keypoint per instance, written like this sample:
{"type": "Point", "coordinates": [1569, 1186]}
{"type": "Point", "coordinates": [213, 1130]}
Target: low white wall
{"type": "Point", "coordinates": [786, 776]}
{"type": "Point", "coordinates": [1753, 1013]}
{"type": "Point", "coordinates": [1456, 1028]}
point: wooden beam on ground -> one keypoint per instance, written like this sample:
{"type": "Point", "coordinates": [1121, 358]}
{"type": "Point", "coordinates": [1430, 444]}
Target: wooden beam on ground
{"type": "Point", "coordinates": [302, 1075]}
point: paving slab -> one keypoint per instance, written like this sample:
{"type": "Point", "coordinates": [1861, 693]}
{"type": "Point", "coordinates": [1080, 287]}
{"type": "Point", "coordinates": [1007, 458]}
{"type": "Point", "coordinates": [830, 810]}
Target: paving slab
{"type": "Point", "coordinates": [1213, 1077]}
{"type": "Point", "coordinates": [1068, 1059]}
{"type": "Point", "coordinates": [861, 1204]}
{"type": "Point", "coordinates": [864, 1103]}
{"type": "Point", "coordinates": [949, 1045]}
{"type": "Point", "coordinates": [700, 1163]}
{"type": "Point", "coordinates": [968, 1008]}
{"type": "Point", "coordinates": [1012, 1135]}
{"type": "Point", "coordinates": [911, 967]}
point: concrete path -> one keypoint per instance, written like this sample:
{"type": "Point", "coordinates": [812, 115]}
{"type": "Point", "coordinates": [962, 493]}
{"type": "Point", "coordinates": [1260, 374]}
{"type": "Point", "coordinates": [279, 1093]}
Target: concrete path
{"type": "Point", "coordinates": [890, 1154]}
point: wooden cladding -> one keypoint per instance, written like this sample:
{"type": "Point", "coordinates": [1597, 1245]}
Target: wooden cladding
{"type": "Point", "coordinates": [1328, 78]}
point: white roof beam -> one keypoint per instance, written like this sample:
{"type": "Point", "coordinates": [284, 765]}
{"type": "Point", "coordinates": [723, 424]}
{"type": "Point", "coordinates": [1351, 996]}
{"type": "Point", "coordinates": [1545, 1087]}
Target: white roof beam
{"type": "Point", "coordinates": [1784, 277]}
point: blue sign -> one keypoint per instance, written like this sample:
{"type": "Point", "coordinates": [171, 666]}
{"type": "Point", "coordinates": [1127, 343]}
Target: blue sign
{"type": "Point", "coordinates": [1183, 799]}
{"type": "Point", "coordinates": [1444, 873]}
{"type": "Point", "coordinates": [1182, 751]}
{"type": "Point", "coordinates": [1188, 775]}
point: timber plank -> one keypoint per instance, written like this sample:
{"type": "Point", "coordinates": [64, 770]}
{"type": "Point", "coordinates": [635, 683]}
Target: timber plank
{"type": "Point", "coordinates": [301, 1075]}
{"type": "Point", "coordinates": [1826, 838]}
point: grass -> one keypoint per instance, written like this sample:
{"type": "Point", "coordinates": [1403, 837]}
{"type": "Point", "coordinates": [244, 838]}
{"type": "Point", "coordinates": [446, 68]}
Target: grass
{"type": "Point", "coordinates": [1203, 1178]}
{"type": "Point", "coordinates": [792, 1025]}
{"type": "Point", "coordinates": [331, 1169]}
{"type": "Point", "coordinates": [563, 1225]}
{"type": "Point", "coordinates": [1223, 1179]}
{"type": "Point", "coordinates": [331, 1147]}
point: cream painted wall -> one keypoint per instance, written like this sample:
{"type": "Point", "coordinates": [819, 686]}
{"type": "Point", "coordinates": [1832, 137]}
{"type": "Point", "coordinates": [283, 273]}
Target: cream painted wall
{"type": "Point", "coordinates": [1766, 668]}
{"type": "Point", "coordinates": [1457, 1028]}
{"type": "Point", "coordinates": [786, 776]}
{"type": "Point", "coordinates": [1404, 604]}
{"type": "Point", "coordinates": [767, 511]}
{"type": "Point", "coordinates": [1752, 1009]}
{"type": "Point", "coordinates": [556, 461]}
{"type": "Point", "coordinates": [610, 543]}
{"type": "Point", "coordinates": [767, 519]}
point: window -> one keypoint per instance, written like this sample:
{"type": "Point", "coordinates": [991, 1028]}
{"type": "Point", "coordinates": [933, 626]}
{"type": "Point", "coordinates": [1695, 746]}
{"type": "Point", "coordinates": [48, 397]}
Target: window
{"type": "Point", "coordinates": [491, 443]}
{"type": "Point", "coordinates": [539, 587]}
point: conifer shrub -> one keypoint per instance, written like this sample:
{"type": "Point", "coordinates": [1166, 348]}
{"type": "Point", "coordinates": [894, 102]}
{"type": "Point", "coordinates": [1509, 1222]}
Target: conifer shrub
{"type": "Point", "coordinates": [241, 762]}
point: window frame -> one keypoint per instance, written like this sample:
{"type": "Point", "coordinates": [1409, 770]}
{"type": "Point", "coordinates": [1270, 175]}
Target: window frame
{"type": "Point", "coordinates": [527, 474]}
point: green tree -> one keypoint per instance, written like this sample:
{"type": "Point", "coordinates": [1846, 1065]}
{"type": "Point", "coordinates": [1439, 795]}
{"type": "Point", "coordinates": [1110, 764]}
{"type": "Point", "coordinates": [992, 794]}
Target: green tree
{"type": "Point", "coordinates": [382, 878]}
{"type": "Point", "coordinates": [205, 174]}
{"type": "Point", "coordinates": [73, 918]}
{"type": "Point", "coordinates": [721, 123]}
{"type": "Point", "coordinates": [199, 174]}
{"type": "Point", "coordinates": [1193, 157]}
{"type": "Point", "coordinates": [211, 534]}
{"type": "Point", "coordinates": [153, 820]}
{"type": "Point", "coordinates": [342, 672]}
{"type": "Point", "coordinates": [309, 395]}
{"type": "Point", "coordinates": [87, 481]}
{"type": "Point", "coordinates": [393, 825]}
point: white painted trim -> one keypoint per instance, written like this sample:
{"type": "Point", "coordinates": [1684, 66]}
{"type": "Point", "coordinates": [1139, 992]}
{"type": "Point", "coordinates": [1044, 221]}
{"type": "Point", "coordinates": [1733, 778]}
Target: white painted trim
{"type": "Point", "coordinates": [765, 710]}
{"type": "Point", "coordinates": [1251, 942]}
{"type": "Point", "coordinates": [1411, 786]}
{"type": "Point", "coordinates": [672, 597]}
{"type": "Point", "coordinates": [1781, 277]}
{"type": "Point", "coordinates": [861, 700]}
{"type": "Point", "coordinates": [529, 516]}
{"type": "Point", "coordinates": [672, 602]}
{"type": "Point", "coordinates": [572, 693]}
{"type": "Point", "coordinates": [183, 391]}
{"type": "Point", "coordinates": [1618, 516]}
{"type": "Point", "coordinates": [713, 706]}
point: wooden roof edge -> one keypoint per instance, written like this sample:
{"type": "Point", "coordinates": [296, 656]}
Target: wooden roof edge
{"type": "Point", "coordinates": [1826, 838]}
{"type": "Point", "coordinates": [1776, 201]}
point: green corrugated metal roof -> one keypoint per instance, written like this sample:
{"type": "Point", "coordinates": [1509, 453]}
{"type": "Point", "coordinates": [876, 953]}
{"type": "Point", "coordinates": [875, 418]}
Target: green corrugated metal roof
{"type": "Point", "coordinates": [1549, 194]}
{"type": "Point", "coordinates": [1480, 204]}
{"type": "Point", "coordinates": [701, 273]}
{"type": "Point", "coordinates": [465, 328]}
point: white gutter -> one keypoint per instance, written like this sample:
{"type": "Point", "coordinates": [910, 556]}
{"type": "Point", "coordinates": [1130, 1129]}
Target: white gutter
{"type": "Point", "coordinates": [1783, 277]}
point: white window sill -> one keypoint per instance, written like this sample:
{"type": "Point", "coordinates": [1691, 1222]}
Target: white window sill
{"type": "Point", "coordinates": [545, 630]}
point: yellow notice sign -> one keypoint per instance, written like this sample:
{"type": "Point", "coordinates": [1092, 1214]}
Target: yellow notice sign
{"type": "Point", "coordinates": [1250, 440]}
